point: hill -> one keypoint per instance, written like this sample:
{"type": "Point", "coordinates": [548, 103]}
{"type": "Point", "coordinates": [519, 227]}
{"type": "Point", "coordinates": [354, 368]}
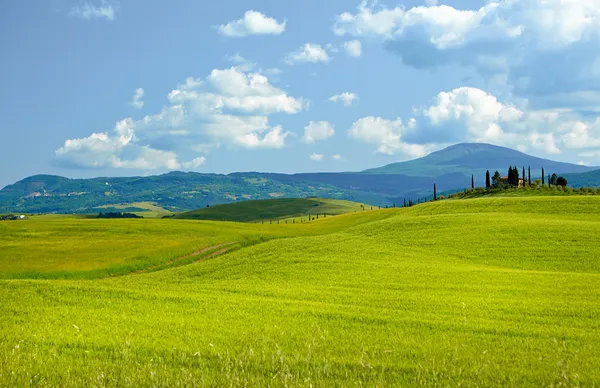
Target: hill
{"type": "Point", "coordinates": [450, 169]}
{"type": "Point", "coordinates": [585, 179]}
{"type": "Point", "coordinates": [272, 209]}
{"type": "Point", "coordinates": [475, 158]}
{"type": "Point", "coordinates": [175, 191]}
{"type": "Point", "coordinates": [381, 298]}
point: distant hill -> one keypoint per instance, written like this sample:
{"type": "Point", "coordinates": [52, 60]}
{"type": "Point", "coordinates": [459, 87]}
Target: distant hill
{"type": "Point", "coordinates": [585, 179]}
{"type": "Point", "coordinates": [272, 209]}
{"type": "Point", "coordinates": [450, 169]}
{"type": "Point", "coordinates": [475, 158]}
{"type": "Point", "coordinates": [175, 191]}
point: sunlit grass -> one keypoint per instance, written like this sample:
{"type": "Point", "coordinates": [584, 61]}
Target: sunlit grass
{"type": "Point", "coordinates": [486, 292]}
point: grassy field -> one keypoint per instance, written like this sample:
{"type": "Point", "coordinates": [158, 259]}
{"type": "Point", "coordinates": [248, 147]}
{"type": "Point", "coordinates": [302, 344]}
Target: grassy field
{"type": "Point", "coordinates": [482, 292]}
{"type": "Point", "coordinates": [274, 209]}
{"type": "Point", "coordinates": [144, 209]}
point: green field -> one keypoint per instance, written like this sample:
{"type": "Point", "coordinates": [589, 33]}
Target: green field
{"type": "Point", "coordinates": [144, 209]}
{"type": "Point", "coordinates": [480, 292]}
{"type": "Point", "coordinates": [274, 209]}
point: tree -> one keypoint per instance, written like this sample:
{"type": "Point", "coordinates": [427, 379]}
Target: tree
{"type": "Point", "coordinates": [543, 178]}
{"type": "Point", "coordinates": [487, 179]}
{"type": "Point", "coordinates": [524, 176]}
{"type": "Point", "coordinates": [496, 179]}
{"type": "Point", "coordinates": [434, 192]}
{"type": "Point", "coordinates": [472, 182]}
{"type": "Point", "coordinates": [553, 179]}
{"type": "Point", "coordinates": [529, 176]}
{"type": "Point", "coordinates": [513, 176]}
{"type": "Point", "coordinates": [561, 181]}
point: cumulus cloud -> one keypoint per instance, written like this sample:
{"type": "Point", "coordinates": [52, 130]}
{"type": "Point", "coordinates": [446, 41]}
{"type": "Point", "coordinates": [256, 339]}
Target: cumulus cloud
{"type": "Point", "coordinates": [345, 98]}
{"type": "Point", "coordinates": [318, 130]}
{"type": "Point", "coordinates": [309, 53]}
{"type": "Point", "coordinates": [252, 23]}
{"type": "Point", "coordinates": [473, 115]}
{"type": "Point", "coordinates": [353, 48]}
{"type": "Point", "coordinates": [547, 51]}
{"type": "Point", "coordinates": [387, 136]}
{"type": "Point", "coordinates": [336, 157]}
{"type": "Point", "coordinates": [316, 157]}
{"type": "Point", "coordinates": [241, 62]}
{"type": "Point", "coordinates": [137, 100]}
{"type": "Point", "coordinates": [89, 11]}
{"type": "Point", "coordinates": [229, 107]}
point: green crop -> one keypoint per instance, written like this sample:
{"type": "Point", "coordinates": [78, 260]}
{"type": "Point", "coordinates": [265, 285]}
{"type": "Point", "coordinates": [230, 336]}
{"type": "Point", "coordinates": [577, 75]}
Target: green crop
{"type": "Point", "coordinates": [483, 292]}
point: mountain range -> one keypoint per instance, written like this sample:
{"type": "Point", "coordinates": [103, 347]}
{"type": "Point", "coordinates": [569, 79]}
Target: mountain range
{"type": "Point", "coordinates": [450, 169]}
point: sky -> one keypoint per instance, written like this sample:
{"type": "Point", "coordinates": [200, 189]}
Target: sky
{"type": "Point", "coordinates": [142, 87]}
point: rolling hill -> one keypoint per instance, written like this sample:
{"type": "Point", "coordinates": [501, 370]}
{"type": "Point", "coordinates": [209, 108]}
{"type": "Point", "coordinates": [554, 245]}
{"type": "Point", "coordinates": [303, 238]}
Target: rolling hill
{"type": "Point", "coordinates": [272, 209]}
{"type": "Point", "coordinates": [450, 169]}
{"type": "Point", "coordinates": [485, 292]}
{"type": "Point", "coordinates": [175, 191]}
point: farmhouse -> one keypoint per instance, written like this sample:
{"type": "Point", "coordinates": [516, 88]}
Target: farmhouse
{"type": "Point", "coordinates": [505, 181]}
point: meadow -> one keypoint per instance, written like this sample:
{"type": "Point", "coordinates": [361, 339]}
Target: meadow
{"type": "Point", "coordinates": [284, 209]}
{"type": "Point", "coordinates": [479, 292]}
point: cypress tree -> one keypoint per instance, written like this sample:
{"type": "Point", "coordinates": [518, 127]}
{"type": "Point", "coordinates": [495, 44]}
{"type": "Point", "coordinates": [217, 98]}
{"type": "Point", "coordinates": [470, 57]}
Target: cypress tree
{"type": "Point", "coordinates": [472, 182]}
{"type": "Point", "coordinates": [543, 178]}
{"type": "Point", "coordinates": [524, 176]}
{"type": "Point", "coordinates": [434, 192]}
{"type": "Point", "coordinates": [529, 175]}
{"type": "Point", "coordinates": [404, 202]}
{"type": "Point", "coordinates": [487, 179]}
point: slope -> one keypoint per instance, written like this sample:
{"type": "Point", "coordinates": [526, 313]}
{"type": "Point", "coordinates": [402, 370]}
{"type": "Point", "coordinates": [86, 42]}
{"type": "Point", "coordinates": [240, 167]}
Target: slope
{"type": "Point", "coordinates": [272, 209]}
{"type": "Point", "coordinates": [400, 301]}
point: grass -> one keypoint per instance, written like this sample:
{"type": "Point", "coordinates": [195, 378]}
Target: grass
{"type": "Point", "coordinates": [273, 209]}
{"type": "Point", "coordinates": [482, 292]}
{"type": "Point", "coordinates": [144, 209]}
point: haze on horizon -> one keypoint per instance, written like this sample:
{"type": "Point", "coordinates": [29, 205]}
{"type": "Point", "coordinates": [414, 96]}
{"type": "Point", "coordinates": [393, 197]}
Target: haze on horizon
{"type": "Point", "coordinates": [115, 88]}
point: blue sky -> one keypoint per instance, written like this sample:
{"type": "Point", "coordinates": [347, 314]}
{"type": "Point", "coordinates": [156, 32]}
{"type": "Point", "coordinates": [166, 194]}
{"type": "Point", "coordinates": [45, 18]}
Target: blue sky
{"type": "Point", "coordinates": [97, 88]}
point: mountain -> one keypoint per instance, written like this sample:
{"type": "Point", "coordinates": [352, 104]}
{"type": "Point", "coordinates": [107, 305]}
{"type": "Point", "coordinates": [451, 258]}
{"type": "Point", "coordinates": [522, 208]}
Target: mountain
{"type": "Point", "coordinates": [450, 169]}
{"type": "Point", "coordinates": [476, 158]}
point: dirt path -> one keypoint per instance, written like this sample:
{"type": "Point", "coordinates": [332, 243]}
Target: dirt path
{"type": "Point", "coordinates": [197, 253]}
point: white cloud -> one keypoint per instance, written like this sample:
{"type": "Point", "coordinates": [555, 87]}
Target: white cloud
{"type": "Point", "coordinates": [472, 115]}
{"type": "Point", "coordinates": [89, 11]}
{"type": "Point", "coordinates": [138, 99]}
{"type": "Point", "coordinates": [353, 48]}
{"type": "Point", "coordinates": [545, 51]}
{"type": "Point", "coordinates": [337, 157]}
{"type": "Point", "coordinates": [229, 107]}
{"type": "Point", "coordinates": [241, 63]}
{"type": "Point", "coordinates": [316, 157]}
{"type": "Point", "coordinates": [309, 53]}
{"type": "Point", "coordinates": [318, 130]}
{"type": "Point", "coordinates": [253, 23]}
{"type": "Point", "coordinates": [345, 98]}
{"type": "Point", "coordinates": [387, 135]}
